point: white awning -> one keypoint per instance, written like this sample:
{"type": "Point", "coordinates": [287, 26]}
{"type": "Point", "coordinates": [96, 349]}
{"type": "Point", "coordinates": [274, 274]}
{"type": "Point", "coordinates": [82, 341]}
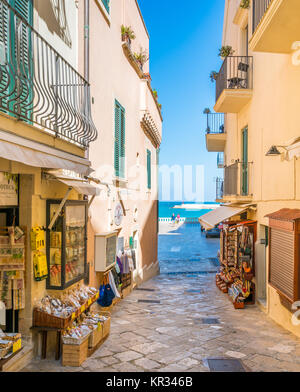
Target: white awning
{"type": "Point", "coordinates": [293, 151]}
{"type": "Point", "coordinates": [212, 218]}
{"type": "Point", "coordinates": [31, 153]}
{"type": "Point", "coordinates": [82, 187]}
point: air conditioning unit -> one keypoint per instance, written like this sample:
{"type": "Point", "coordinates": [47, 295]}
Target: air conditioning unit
{"type": "Point", "coordinates": [105, 251]}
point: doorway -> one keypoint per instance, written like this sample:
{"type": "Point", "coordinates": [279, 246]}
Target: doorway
{"type": "Point", "coordinates": [10, 217]}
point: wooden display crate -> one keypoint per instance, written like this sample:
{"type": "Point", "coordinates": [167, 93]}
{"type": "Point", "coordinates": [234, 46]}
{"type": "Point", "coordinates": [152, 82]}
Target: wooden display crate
{"type": "Point", "coordinates": [75, 355]}
{"type": "Point", "coordinates": [96, 336]}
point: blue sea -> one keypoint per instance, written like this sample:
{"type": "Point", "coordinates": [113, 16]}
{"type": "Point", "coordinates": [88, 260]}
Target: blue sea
{"type": "Point", "coordinates": [166, 210]}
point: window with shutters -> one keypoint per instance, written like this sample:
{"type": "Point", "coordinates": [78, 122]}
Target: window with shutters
{"type": "Point", "coordinates": [148, 169]}
{"type": "Point", "coordinates": [16, 58]}
{"type": "Point", "coordinates": [119, 140]}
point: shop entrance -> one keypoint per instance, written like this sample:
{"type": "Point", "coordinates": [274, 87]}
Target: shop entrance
{"type": "Point", "coordinates": [10, 217]}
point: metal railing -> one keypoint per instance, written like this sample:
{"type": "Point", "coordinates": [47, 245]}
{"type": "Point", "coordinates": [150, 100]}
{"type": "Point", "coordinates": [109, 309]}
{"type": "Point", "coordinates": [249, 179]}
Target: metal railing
{"type": "Point", "coordinates": [235, 73]}
{"type": "Point", "coordinates": [39, 86]}
{"type": "Point", "coordinates": [220, 159]}
{"type": "Point", "coordinates": [237, 179]}
{"type": "Point", "coordinates": [259, 9]}
{"type": "Point", "coordinates": [219, 188]}
{"type": "Point", "coordinates": [215, 123]}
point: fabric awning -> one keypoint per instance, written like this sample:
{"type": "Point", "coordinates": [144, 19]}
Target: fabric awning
{"type": "Point", "coordinates": [212, 218]}
{"type": "Point", "coordinates": [293, 151]}
{"type": "Point", "coordinates": [31, 153]}
{"type": "Point", "coordinates": [82, 187]}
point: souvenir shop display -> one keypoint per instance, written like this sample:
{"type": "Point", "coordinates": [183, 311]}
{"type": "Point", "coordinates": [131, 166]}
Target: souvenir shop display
{"type": "Point", "coordinates": [66, 244]}
{"type": "Point", "coordinates": [84, 335]}
{"type": "Point", "coordinates": [12, 267]}
{"type": "Point", "coordinates": [58, 312]}
{"type": "Point", "coordinates": [38, 245]}
{"type": "Point", "coordinates": [10, 343]}
{"type": "Point", "coordinates": [237, 262]}
{"type": "Point", "coordinates": [126, 266]}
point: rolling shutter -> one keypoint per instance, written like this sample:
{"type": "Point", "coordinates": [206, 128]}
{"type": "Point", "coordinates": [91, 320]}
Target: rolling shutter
{"type": "Point", "coordinates": [282, 262]}
{"type": "Point", "coordinates": [119, 140]}
{"type": "Point", "coordinates": [149, 169]}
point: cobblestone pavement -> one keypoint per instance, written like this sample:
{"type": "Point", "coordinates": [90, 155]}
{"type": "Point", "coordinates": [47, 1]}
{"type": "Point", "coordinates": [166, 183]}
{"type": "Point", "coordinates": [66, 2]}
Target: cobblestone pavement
{"type": "Point", "coordinates": [171, 336]}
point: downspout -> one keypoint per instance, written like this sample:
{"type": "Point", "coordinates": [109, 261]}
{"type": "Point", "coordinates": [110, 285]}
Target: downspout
{"type": "Point", "coordinates": [87, 49]}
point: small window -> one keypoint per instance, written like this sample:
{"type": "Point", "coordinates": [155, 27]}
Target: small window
{"type": "Point", "coordinates": [149, 169]}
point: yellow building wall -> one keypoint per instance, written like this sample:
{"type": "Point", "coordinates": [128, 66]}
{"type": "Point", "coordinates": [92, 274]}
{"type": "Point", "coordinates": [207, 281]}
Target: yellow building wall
{"type": "Point", "coordinates": [272, 119]}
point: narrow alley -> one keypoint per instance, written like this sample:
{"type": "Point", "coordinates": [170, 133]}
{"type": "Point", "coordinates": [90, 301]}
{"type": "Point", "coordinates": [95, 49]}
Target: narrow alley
{"type": "Point", "coordinates": [179, 320]}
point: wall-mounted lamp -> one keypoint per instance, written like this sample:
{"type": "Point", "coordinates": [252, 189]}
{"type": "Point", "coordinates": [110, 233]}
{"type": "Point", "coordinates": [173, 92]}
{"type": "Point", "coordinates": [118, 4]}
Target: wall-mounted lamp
{"type": "Point", "coordinates": [274, 151]}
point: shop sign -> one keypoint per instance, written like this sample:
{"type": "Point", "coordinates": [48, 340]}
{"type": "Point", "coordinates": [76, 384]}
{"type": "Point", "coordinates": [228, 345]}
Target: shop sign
{"type": "Point", "coordinates": [8, 189]}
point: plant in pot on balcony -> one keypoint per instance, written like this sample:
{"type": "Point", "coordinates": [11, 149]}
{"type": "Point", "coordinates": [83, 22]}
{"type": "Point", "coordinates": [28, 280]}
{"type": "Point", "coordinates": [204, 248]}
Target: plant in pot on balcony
{"type": "Point", "coordinates": [245, 4]}
{"type": "Point", "coordinates": [127, 34]}
{"type": "Point", "coordinates": [226, 51]}
{"type": "Point", "coordinates": [213, 76]}
{"type": "Point", "coordinates": [155, 94]}
{"type": "Point", "coordinates": [141, 57]}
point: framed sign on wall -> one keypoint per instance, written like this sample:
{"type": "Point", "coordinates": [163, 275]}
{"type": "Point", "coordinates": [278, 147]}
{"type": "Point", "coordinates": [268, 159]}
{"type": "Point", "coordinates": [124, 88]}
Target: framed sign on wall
{"type": "Point", "coordinates": [8, 189]}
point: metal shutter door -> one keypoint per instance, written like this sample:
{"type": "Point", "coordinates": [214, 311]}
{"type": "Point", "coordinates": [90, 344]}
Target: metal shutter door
{"type": "Point", "coordinates": [282, 263]}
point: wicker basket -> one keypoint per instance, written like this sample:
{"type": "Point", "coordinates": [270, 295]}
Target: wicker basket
{"type": "Point", "coordinates": [73, 341]}
{"type": "Point", "coordinates": [42, 319]}
{"type": "Point", "coordinates": [238, 305]}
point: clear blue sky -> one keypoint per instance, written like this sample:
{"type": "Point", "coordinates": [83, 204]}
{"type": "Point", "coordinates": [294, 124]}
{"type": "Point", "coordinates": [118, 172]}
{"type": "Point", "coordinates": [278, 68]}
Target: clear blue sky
{"type": "Point", "coordinates": [184, 42]}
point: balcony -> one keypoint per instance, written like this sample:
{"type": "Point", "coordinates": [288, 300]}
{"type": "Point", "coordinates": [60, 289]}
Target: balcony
{"type": "Point", "coordinates": [275, 25]}
{"type": "Point", "coordinates": [237, 182]}
{"type": "Point", "coordinates": [220, 160]}
{"type": "Point", "coordinates": [150, 114]}
{"type": "Point", "coordinates": [215, 132]}
{"type": "Point", "coordinates": [219, 189]}
{"type": "Point", "coordinates": [234, 84]}
{"type": "Point", "coordinates": [38, 86]}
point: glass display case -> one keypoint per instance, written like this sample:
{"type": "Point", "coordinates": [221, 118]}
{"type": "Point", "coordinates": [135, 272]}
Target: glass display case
{"type": "Point", "coordinates": [66, 244]}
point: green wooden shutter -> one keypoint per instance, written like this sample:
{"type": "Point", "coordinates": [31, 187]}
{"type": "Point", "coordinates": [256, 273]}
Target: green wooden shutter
{"type": "Point", "coordinates": [16, 88]}
{"type": "Point", "coordinates": [106, 4]}
{"type": "Point", "coordinates": [122, 145]}
{"type": "Point", "coordinates": [149, 169]}
{"type": "Point", "coordinates": [245, 162]}
{"type": "Point", "coordinates": [119, 140]}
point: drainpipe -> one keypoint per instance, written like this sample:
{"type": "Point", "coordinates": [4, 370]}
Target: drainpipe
{"type": "Point", "coordinates": [87, 39]}
{"type": "Point", "coordinates": [87, 48]}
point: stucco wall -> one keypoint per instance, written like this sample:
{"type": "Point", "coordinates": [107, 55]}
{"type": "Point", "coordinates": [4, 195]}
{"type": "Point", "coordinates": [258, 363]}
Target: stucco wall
{"type": "Point", "coordinates": [271, 116]}
{"type": "Point", "coordinates": [112, 77]}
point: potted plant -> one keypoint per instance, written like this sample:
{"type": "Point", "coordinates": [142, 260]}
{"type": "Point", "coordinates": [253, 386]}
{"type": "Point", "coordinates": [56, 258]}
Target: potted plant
{"type": "Point", "coordinates": [141, 57]}
{"type": "Point", "coordinates": [127, 34]}
{"type": "Point", "coordinates": [245, 4]}
{"type": "Point", "coordinates": [155, 94]}
{"type": "Point", "coordinates": [213, 76]}
{"type": "Point", "coordinates": [226, 51]}
{"type": "Point", "coordinates": [147, 76]}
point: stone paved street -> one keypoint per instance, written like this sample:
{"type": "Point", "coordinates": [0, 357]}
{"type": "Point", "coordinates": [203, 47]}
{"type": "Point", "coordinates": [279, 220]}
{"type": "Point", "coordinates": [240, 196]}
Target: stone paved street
{"type": "Point", "coordinates": [171, 336]}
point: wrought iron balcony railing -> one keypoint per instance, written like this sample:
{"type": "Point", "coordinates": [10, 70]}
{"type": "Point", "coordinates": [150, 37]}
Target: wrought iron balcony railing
{"type": "Point", "coordinates": [235, 73]}
{"type": "Point", "coordinates": [259, 9]}
{"type": "Point", "coordinates": [219, 188]}
{"type": "Point", "coordinates": [37, 85]}
{"type": "Point", "coordinates": [237, 179]}
{"type": "Point", "coordinates": [215, 123]}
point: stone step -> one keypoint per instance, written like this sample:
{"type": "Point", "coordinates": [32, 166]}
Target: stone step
{"type": "Point", "coordinates": [20, 360]}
